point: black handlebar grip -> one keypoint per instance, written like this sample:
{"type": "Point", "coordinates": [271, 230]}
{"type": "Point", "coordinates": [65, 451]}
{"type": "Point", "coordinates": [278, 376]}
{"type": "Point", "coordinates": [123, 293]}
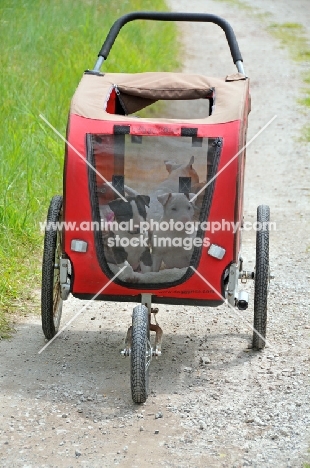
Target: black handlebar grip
{"type": "Point", "coordinates": [159, 16]}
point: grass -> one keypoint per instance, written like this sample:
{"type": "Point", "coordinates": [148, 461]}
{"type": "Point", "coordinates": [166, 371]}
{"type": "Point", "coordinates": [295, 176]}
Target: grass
{"type": "Point", "coordinates": [293, 37]}
{"type": "Point", "coordinates": [46, 48]}
{"type": "Point", "coordinates": [246, 8]}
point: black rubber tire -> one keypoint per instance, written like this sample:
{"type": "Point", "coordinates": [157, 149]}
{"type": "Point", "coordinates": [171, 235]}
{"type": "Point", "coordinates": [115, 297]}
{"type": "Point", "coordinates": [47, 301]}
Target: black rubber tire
{"type": "Point", "coordinates": [51, 302]}
{"type": "Point", "coordinates": [262, 275]}
{"type": "Point", "coordinates": [140, 354]}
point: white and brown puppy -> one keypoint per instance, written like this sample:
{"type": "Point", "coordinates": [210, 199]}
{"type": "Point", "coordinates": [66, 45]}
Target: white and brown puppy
{"type": "Point", "coordinates": [169, 185]}
{"type": "Point", "coordinates": [126, 239]}
{"type": "Point", "coordinates": [172, 242]}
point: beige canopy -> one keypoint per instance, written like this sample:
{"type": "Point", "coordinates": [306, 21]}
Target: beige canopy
{"type": "Point", "coordinates": [139, 90]}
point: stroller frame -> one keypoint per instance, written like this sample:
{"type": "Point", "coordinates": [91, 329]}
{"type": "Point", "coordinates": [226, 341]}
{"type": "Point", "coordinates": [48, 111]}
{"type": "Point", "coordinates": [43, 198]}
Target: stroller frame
{"type": "Point", "coordinates": [75, 262]}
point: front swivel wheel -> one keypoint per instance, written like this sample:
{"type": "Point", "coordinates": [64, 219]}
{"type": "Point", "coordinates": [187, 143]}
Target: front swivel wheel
{"type": "Point", "coordinates": [141, 354]}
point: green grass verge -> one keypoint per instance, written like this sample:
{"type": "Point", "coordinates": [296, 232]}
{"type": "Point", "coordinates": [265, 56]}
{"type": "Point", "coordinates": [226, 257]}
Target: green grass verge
{"type": "Point", "coordinates": [46, 48]}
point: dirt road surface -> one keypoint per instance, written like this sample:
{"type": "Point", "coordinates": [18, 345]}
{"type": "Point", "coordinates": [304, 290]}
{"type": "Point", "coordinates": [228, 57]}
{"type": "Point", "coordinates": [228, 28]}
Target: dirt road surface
{"type": "Point", "coordinates": [214, 402]}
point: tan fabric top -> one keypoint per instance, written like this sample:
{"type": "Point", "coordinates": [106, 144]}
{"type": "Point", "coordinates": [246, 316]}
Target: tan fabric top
{"type": "Point", "coordinates": [142, 89]}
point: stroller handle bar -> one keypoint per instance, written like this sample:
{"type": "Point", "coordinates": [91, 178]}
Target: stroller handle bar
{"type": "Point", "coordinates": [162, 16]}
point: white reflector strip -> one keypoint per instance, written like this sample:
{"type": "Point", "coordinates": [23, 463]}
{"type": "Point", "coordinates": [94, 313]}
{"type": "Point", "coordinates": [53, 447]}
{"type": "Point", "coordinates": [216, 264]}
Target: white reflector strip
{"type": "Point", "coordinates": [78, 245]}
{"type": "Point", "coordinates": [216, 251]}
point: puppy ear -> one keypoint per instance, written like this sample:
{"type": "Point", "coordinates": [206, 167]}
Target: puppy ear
{"type": "Point", "coordinates": [145, 199]}
{"type": "Point", "coordinates": [171, 166]}
{"type": "Point", "coordinates": [191, 162]}
{"type": "Point", "coordinates": [115, 204]}
{"type": "Point", "coordinates": [164, 198]}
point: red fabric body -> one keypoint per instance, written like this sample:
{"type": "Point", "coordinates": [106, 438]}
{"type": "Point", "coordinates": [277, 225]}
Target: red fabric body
{"type": "Point", "coordinates": [226, 205]}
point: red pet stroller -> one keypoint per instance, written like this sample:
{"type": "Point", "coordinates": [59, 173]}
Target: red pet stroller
{"type": "Point", "coordinates": [142, 197]}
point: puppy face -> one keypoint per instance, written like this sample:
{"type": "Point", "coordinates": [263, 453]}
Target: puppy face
{"type": "Point", "coordinates": [133, 209]}
{"type": "Point", "coordinates": [177, 206]}
{"type": "Point", "coordinates": [142, 201]}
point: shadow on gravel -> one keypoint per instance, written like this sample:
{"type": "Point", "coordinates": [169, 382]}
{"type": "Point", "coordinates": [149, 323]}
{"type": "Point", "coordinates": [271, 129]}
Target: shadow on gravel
{"type": "Point", "coordinates": [82, 364]}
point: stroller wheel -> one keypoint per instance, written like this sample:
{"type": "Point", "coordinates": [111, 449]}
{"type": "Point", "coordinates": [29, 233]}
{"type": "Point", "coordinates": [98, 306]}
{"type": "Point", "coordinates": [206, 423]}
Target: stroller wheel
{"type": "Point", "coordinates": [262, 276]}
{"type": "Point", "coordinates": [141, 354]}
{"type": "Point", "coordinates": [51, 301]}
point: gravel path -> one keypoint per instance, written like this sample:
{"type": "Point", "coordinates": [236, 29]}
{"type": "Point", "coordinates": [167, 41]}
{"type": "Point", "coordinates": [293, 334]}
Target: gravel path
{"type": "Point", "coordinates": [214, 402]}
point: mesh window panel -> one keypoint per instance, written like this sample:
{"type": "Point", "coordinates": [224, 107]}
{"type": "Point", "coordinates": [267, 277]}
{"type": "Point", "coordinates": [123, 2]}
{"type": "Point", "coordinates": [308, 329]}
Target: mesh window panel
{"type": "Point", "coordinates": [150, 201]}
